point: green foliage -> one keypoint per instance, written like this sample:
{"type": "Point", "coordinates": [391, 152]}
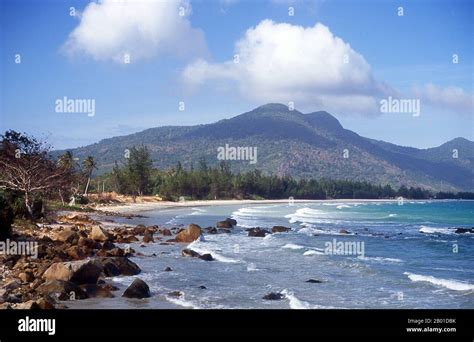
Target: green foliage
{"type": "Point", "coordinates": [219, 182]}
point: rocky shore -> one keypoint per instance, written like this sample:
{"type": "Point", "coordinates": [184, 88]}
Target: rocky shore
{"type": "Point", "coordinates": [75, 255]}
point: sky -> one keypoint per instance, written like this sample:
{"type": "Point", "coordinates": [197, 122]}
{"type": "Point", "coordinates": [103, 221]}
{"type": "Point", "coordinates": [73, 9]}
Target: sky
{"type": "Point", "coordinates": [149, 63]}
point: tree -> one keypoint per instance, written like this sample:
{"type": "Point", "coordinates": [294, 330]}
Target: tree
{"type": "Point", "coordinates": [139, 169]}
{"type": "Point", "coordinates": [26, 167]}
{"type": "Point", "coordinates": [89, 165]}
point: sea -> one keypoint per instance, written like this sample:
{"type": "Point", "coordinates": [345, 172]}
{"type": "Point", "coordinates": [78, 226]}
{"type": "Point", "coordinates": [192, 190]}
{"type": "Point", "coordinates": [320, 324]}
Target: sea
{"type": "Point", "coordinates": [338, 255]}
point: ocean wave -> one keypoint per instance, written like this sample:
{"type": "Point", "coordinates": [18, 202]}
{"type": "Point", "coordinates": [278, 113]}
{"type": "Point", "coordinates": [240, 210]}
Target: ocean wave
{"type": "Point", "coordinates": [196, 246]}
{"type": "Point", "coordinates": [436, 230]}
{"type": "Point", "coordinates": [304, 215]}
{"type": "Point", "coordinates": [181, 301]}
{"type": "Point", "coordinates": [380, 259]}
{"type": "Point", "coordinates": [312, 252]}
{"type": "Point", "coordinates": [294, 302]}
{"type": "Point", "coordinates": [451, 284]}
{"type": "Point", "coordinates": [342, 206]}
{"type": "Point", "coordinates": [292, 246]}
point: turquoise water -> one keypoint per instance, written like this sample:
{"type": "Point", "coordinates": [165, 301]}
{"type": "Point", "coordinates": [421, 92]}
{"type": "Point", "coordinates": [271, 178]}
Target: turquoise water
{"type": "Point", "coordinates": [412, 258]}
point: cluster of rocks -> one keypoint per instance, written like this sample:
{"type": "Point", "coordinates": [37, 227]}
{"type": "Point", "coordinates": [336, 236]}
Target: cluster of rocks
{"type": "Point", "coordinates": [74, 256]}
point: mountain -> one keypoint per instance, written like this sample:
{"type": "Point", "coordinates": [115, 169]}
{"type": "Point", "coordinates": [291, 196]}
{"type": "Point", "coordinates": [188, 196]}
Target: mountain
{"type": "Point", "coordinates": [300, 145]}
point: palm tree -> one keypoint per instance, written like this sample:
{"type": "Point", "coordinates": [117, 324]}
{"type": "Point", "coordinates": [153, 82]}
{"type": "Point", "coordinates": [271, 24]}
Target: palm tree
{"type": "Point", "coordinates": [89, 165]}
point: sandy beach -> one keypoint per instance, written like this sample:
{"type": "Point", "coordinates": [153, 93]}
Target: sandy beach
{"type": "Point", "coordinates": [132, 208]}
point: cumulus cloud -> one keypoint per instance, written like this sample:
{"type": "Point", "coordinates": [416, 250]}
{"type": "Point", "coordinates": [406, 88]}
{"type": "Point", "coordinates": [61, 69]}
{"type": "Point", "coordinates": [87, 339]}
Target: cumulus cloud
{"type": "Point", "coordinates": [280, 62]}
{"type": "Point", "coordinates": [453, 99]}
{"type": "Point", "coordinates": [110, 29]}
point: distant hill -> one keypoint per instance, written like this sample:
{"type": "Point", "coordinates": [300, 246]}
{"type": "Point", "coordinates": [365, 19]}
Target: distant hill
{"type": "Point", "coordinates": [300, 145]}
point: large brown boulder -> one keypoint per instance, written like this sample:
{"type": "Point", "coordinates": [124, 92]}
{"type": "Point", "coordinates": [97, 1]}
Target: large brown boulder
{"type": "Point", "coordinates": [98, 234]}
{"type": "Point", "coordinates": [66, 235]}
{"type": "Point", "coordinates": [192, 233]}
{"type": "Point", "coordinates": [63, 290]}
{"type": "Point", "coordinates": [114, 266]}
{"type": "Point", "coordinates": [79, 272]}
{"type": "Point", "coordinates": [138, 289]}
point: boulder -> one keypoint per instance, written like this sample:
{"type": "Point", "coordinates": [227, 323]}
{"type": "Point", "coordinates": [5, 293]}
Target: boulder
{"type": "Point", "coordinates": [211, 230]}
{"type": "Point", "coordinates": [139, 229]}
{"type": "Point", "coordinates": [26, 276]}
{"type": "Point", "coordinates": [206, 257]}
{"type": "Point", "coordinates": [274, 296]}
{"type": "Point", "coordinates": [175, 294]}
{"type": "Point", "coordinates": [464, 230]}
{"type": "Point", "coordinates": [280, 229]}
{"type": "Point", "coordinates": [166, 232]}
{"type": "Point", "coordinates": [97, 291]}
{"type": "Point", "coordinates": [192, 233]}
{"type": "Point", "coordinates": [314, 281]}
{"type": "Point", "coordinates": [257, 232]}
{"type": "Point", "coordinates": [76, 252]}
{"type": "Point", "coordinates": [344, 231]}
{"type": "Point", "coordinates": [98, 234]}
{"type": "Point", "coordinates": [190, 253]}
{"type": "Point", "coordinates": [168, 269]}
{"type": "Point", "coordinates": [148, 237]}
{"type": "Point", "coordinates": [79, 272]}
{"type": "Point", "coordinates": [66, 236]}
{"type": "Point", "coordinates": [63, 290]}
{"type": "Point", "coordinates": [227, 223]}
{"type": "Point", "coordinates": [86, 242]}
{"type": "Point", "coordinates": [114, 266]}
{"type": "Point", "coordinates": [138, 289]}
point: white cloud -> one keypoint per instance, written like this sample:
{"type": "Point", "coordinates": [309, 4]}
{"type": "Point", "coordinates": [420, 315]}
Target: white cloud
{"type": "Point", "coordinates": [280, 62]}
{"type": "Point", "coordinates": [453, 99]}
{"type": "Point", "coordinates": [109, 29]}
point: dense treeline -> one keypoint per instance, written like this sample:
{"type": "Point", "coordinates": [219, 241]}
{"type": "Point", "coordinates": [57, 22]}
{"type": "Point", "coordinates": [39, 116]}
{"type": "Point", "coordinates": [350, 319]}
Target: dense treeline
{"type": "Point", "coordinates": [137, 177]}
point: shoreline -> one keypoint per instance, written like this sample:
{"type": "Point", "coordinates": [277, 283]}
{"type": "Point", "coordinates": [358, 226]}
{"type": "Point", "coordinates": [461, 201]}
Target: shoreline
{"type": "Point", "coordinates": [130, 208]}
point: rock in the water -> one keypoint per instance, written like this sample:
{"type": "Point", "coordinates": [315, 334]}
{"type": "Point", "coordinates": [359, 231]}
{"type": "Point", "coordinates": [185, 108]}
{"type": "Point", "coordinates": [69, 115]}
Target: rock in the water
{"type": "Point", "coordinates": [138, 289]}
{"type": "Point", "coordinates": [79, 272]}
{"type": "Point", "coordinates": [464, 230]}
{"type": "Point", "coordinates": [139, 230]}
{"type": "Point", "coordinates": [274, 296]}
{"type": "Point", "coordinates": [192, 233]}
{"type": "Point", "coordinates": [227, 223]}
{"type": "Point", "coordinates": [314, 281]}
{"type": "Point", "coordinates": [168, 269]}
{"type": "Point", "coordinates": [97, 291]}
{"type": "Point", "coordinates": [63, 290]}
{"type": "Point", "coordinates": [98, 234]}
{"type": "Point", "coordinates": [114, 266]}
{"type": "Point", "coordinates": [344, 231]}
{"type": "Point", "coordinates": [166, 232]}
{"type": "Point", "coordinates": [148, 237]}
{"type": "Point", "coordinates": [257, 232]}
{"type": "Point", "coordinates": [280, 229]}
{"type": "Point", "coordinates": [175, 294]}
{"type": "Point", "coordinates": [206, 257]}
{"type": "Point", "coordinates": [190, 253]}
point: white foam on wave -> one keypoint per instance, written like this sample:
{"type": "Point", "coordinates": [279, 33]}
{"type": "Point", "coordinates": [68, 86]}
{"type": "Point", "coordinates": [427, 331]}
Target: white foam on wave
{"type": "Point", "coordinates": [294, 302]}
{"type": "Point", "coordinates": [435, 230]}
{"type": "Point", "coordinates": [451, 284]}
{"type": "Point", "coordinates": [181, 301]}
{"type": "Point", "coordinates": [197, 247]}
{"type": "Point", "coordinates": [342, 206]}
{"type": "Point", "coordinates": [380, 259]}
{"type": "Point", "coordinates": [292, 246]}
{"type": "Point", "coordinates": [312, 252]}
{"type": "Point", "coordinates": [305, 215]}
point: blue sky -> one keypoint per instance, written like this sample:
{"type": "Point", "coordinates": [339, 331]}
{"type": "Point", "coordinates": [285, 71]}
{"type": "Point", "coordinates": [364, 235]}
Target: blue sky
{"type": "Point", "coordinates": [190, 58]}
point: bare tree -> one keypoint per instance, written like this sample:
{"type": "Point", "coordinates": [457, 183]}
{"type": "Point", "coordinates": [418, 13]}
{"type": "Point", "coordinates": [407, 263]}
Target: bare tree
{"type": "Point", "coordinates": [26, 167]}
